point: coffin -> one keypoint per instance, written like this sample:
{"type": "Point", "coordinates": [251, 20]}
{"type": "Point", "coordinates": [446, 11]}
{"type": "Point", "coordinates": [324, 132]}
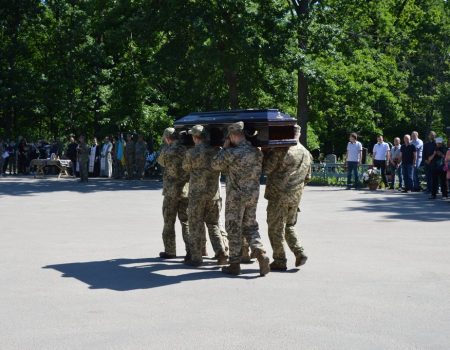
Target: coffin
{"type": "Point", "coordinates": [263, 127]}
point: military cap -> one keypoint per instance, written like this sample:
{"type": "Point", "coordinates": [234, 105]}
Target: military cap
{"type": "Point", "coordinates": [236, 128]}
{"type": "Point", "coordinates": [169, 132]}
{"type": "Point", "coordinates": [197, 130]}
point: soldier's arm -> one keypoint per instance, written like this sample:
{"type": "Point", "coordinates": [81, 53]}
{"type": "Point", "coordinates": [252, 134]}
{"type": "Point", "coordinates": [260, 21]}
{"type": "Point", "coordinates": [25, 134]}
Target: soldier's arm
{"type": "Point", "coordinates": [187, 163]}
{"type": "Point", "coordinates": [221, 160]}
{"type": "Point", "coordinates": [162, 156]}
{"type": "Point", "coordinates": [271, 161]}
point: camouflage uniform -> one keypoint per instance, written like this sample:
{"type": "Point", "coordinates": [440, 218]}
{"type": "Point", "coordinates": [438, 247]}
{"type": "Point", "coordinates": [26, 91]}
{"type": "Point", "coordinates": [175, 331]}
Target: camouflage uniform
{"type": "Point", "coordinates": [175, 192]}
{"type": "Point", "coordinates": [242, 164]}
{"type": "Point", "coordinates": [83, 159]}
{"type": "Point", "coordinates": [129, 157]}
{"type": "Point", "coordinates": [140, 152]}
{"type": "Point", "coordinates": [204, 200]}
{"type": "Point", "coordinates": [286, 170]}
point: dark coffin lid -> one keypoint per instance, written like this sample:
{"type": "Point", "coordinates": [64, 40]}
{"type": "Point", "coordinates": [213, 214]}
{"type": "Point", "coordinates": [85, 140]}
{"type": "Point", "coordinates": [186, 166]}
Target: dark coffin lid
{"type": "Point", "coordinates": [256, 117]}
{"type": "Point", "coordinates": [270, 127]}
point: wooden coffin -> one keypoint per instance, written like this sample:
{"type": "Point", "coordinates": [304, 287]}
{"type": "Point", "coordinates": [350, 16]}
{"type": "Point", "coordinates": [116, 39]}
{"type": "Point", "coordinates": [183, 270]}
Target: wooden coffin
{"type": "Point", "coordinates": [263, 127]}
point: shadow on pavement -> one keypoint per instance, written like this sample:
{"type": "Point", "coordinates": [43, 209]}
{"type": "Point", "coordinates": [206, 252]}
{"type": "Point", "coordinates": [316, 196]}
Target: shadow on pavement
{"type": "Point", "coordinates": [413, 206]}
{"type": "Point", "coordinates": [30, 186]}
{"type": "Point", "coordinates": [131, 274]}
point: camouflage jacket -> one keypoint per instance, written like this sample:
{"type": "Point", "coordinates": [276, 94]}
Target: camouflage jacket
{"type": "Point", "coordinates": [83, 151]}
{"type": "Point", "coordinates": [130, 150]}
{"type": "Point", "coordinates": [242, 166]}
{"type": "Point", "coordinates": [286, 170]}
{"type": "Point", "coordinates": [203, 181]}
{"type": "Point", "coordinates": [175, 179]}
{"type": "Point", "coordinates": [140, 149]}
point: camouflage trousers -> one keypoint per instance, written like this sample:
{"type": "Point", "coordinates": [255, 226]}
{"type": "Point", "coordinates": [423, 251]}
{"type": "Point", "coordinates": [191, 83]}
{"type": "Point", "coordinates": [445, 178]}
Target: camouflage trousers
{"type": "Point", "coordinates": [281, 220]}
{"type": "Point", "coordinates": [171, 208]}
{"type": "Point", "coordinates": [240, 221]}
{"type": "Point", "coordinates": [203, 212]}
{"type": "Point", "coordinates": [83, 164]}
{"type": "Point", "coordinates": [130, 168]}
{"type": "Point", "coordinates": [140, 167]}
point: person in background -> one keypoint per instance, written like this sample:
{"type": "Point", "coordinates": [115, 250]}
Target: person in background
{"type": "Point", "coordinates": [119, 156]}
{"type": "Point", "coordinates": [447, 165]}
{"type": "Point", "coordinates": [381, 153]}
{"type": "Point", "coordinates": [94, 159]}
{"type": "Point", "coordinates": [353, 159]}
{"type": "Point", "coordinates": [408, 159]}
{"type": "Point", "coordinates": [418, 143]}
{"type": "Point", "coordinates": [83, 158]}
{"type": "Point", "coordinates": [437, 164]}
{"type": "Point", "coordinates": [106, 159]}
{"type": "Point", "coordinates": [22, 156]}
{"type": "Point", "coordinates": [3, 155]}
{"type": "Point", "coordinates": [71, 154]}
{"type": "Point", "coordinates": [12, 159]}
{"type": "Point", "coordinates": [428, 150]}
{"type": "Point", "coordinates": [140, 153]}
{"type": "Point", "coordinates": [129, 156]}
{"type": "Point", "coordinates": [395, 164]}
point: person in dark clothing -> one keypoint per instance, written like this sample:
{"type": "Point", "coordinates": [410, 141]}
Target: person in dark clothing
{"type": "Point", "coordinates": [23, 156]}
{"type": "Point", "coordinates": [437, 165]}
{"type": "Point", "coordinates": [428, 150]}
{"type": "Point", "coordinates": [71, 154]}
{"type": "Point", "coordinates": [408, 159]}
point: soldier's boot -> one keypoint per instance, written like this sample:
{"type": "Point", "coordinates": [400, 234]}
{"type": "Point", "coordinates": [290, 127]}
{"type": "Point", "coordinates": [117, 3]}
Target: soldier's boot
{"type": "Point", "coordinates": [300, 259]}
{"type": "Point", "coordinates": [204, 251]}
{"type": "Point", "coordinates": [278, 266]}
{"type": "Point", "coordinates": [245, 256]}
{"type": "Point", "coordinates": [187, 257]}
{"type": "Point", "coordinates": [194, 263]}
{"type": "Point", "coordinates": [164, 255]}
{"type": "Point", "coordinates": [222, 259]}
{"type": "Point", "coordinates": [263, 260]}
{"type": "Point", "coordinates": [232, 269]}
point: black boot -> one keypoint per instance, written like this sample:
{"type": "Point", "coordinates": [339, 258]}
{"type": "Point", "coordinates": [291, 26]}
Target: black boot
{"type": "Point", "coordinates": [232, 269]}
{"type": "Point", "coordinates": [164, 255]}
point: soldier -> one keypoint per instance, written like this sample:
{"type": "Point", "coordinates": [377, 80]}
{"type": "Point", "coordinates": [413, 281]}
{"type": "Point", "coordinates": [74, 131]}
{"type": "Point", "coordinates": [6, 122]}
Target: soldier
{"type": "Point", "coordinates": [175, 192]}
{"type": "Point", "coordinates": [83, 158]}
{"type": "Point", "coordinates": [204, 198]}
{"type": "Point", "coordinates": [129, 156]}
{"type": "Point", "coordinates": [140, 153]}
{"type": "Point", "coordinates": [242, 163]}
{"type": "Point", "coordinates": [287, 169]}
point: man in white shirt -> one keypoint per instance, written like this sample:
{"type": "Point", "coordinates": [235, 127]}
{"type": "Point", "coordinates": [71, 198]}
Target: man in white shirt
{"type": "Point", "coordinates": [381, 153]}
{"type": "Point", "coordinates": [419, 149]}
{"type": "Point", "coordinates": [353, 159]}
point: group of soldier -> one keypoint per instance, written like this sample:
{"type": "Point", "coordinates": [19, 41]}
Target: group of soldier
{"type": "Point", "coordinates": [191, 190]}
{"type": "Point", "coordinates": [113, 158]}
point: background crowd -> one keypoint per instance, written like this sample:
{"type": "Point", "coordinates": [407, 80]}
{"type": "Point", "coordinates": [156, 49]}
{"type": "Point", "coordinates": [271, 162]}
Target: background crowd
{"type": "Point", "coordinates": [114, 156]}
{"type": "Point", "coordinates": [402, 163]}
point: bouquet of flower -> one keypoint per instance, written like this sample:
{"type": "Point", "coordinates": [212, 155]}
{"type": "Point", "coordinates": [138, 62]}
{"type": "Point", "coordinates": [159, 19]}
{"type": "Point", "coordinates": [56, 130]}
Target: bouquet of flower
{"type": "Point", "coordinates": [372, 176]}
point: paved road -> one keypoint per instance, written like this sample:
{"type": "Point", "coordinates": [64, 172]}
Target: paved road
{"type": "Point", "coordinates": [79, 271]}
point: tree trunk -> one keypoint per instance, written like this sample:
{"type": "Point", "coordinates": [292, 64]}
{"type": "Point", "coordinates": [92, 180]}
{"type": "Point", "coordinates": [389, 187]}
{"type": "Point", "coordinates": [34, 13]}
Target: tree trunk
{"type": "Point", "coordinates": [301, 8]}
{"type": "Point", "coordinates": [231, 78]}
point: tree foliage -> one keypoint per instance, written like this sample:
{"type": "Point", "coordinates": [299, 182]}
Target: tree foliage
{"type": "Point", "coordinates": [104, 66]}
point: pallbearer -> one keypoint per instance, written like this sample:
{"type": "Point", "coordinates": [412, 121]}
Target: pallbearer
{"type": "Point", "coordinates": [204, 198]}
{"type": "Point", "coordinates": [242, 164]}
{"type": "Point", "coordinates": [287, 169]}
{"type": "Point", "coordinates": [175, 192]}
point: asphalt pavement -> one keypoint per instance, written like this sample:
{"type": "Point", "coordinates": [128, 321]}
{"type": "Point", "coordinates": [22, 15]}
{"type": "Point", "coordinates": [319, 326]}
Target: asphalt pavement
{"type": "Point", "coordinates": [80, 270]}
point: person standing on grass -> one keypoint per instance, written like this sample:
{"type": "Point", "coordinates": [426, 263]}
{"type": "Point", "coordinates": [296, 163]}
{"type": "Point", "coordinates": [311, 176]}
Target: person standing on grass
{"type": "Point", "coordinates": [353, 159]}
{"type": "Point", "coordinates": [381, 154]}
